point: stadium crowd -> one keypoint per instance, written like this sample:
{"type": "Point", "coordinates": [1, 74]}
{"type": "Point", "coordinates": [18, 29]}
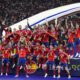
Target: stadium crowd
{"type": "Point", "coordinates": [13, 11]}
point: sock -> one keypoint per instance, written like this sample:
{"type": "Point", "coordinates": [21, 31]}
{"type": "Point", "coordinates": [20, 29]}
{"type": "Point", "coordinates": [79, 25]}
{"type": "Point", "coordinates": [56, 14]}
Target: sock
{"type": "Point", "coordinates": [54, 72]}
{"type": "Point", "coordinates": [17, 70]}
{"type": "Point", "coordinates": [7, 68]}
{"type": "Point", "coordinates": [58, 72]}
{"type": "Point", "coordinates": [45, 70]}
{"type": "Point", "coordinates": [68, 74]}
{"type": "Point", "coordinates": [25, 69]}
{"type": "Point", "coordinates": [2, 69]}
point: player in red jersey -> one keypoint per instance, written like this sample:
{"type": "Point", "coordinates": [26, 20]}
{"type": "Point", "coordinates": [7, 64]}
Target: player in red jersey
{"type": "Point", "coordinates": [5, 60]}
{"type": "Point", "coordinates": [20, 30]}
{"type": "Point", "coordinates": [53, 34]}
{"type": "Point", "coordinates": [43, 56]}
{"type": "Point", "coordinates": [36, 52]}
{"type": "Point", "coordinates": [22, 40]}
{"type": "Point", "coordinates": [7, 35]}
{"type": "Point", "coordinates": [45, 39]}
{"type": "Point", "coordinates": [21, 60]}
{"type": "Point", "coordinates": [77, 32]}
{"type": "Point", "coordinates": [51, 61]}
{"type": "Point", "coordinates": [14, 55]}
{"type": "Point", "coordinates": [63, 57]}
{"type": "Point", "coordinates": [8, 32]}
{"type": "Point", "coordinates": [37, 37]}
{"type": "Point", "coordinates": [70, 44]}
{"type": "Point", "coordinates": [77, 40]}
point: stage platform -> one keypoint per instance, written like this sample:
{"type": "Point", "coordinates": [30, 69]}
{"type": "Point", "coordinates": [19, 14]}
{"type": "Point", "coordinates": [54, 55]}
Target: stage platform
{"type": "Point", "coordinates": [10, 77]}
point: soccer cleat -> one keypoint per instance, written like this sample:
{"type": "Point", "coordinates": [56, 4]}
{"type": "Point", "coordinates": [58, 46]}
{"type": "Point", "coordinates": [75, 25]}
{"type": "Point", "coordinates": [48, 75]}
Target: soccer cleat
{"type": "Point", "coordinates": [77, 54]}
{"type": "Point", "coordinates": [45, 75]}
{"type": "Point", "coordinates": [69, 76]}
{"type": "Point", "coordinates": [27, 76]}
{"type": "Point", "coordinates": [54, 76]}
{"type": "Point", "coordinates": [6, 74]}
{"type": "Point", "coordinates": [17, 76]}
{"type": "Point", "coordinates": [71, 56]}
{"type": "Point", "coordinates": [1, 74]}
{"type": "Point", "coordinates": [21, 67]}
{"type": "Point", "coordinates": [13, 66]}
{"type": "Point", "coordinates": [58, 76]}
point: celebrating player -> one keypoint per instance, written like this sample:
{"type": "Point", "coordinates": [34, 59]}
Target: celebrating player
{"type": "Point", "coordinates": [5, 60]}
{"type": "Point", "coordinates": [63, 57]}
{"type": "Point", "coordinates": [50, 61]}
{"type": "Point", "coordinates": [21, 61]}
{"type": "Point", "coordinates": [43, 56]}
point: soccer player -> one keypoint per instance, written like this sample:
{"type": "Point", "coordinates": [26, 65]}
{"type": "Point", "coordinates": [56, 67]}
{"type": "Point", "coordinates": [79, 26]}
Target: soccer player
{"type": "Point", "coordinates": [21, 60]}
{"type": "Point", "coordinates": [14, 55]}
{"type": "Point", "coordinates": [5, 60]}
{"type": "Point", "coordinates": [63, 57]}
{"type": "Point", "coordinates": [22, 40]}
{"type": "Point", "coordinates": [43, 56]}
{"type": "Point", "coordinates": [36, 52]}
{"type": "Point", "coordinates": [54, 36]}
{"type": "Point", "coordinates": [70, 43]}
{"type": "Point", "coordinates": [50, 61]}
{"type": "Point", "coordinates": [45, 38]}
{"type": "Point", "coordinates": [77, 41]}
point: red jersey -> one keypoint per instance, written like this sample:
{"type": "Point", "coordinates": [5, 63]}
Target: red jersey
{"type": "Point", "coordinates": [45, 52]}
{"type": "Point", "coordinates": [5, 54]}
{"type": "Point", "coordinates": [24, 32]}
{"type": "Point", "coordinates": [51, 55]}
{"type": "Point", "coordinates": [29, 32]}
{"type": "Point", "coordinates": [63, 57]}
{"type": "Point", "coordinates": [45, 37]}
{"type": "Point", "coordinates": [37, 52]}
{"type": "Point", "coordinates": [15, 37]}
{"type": "Point", "coordinates": [38, 46]}
{"type": "Point", "coordinates": [78, 33]}
{"type": "Point", "coordinates": [54, 34]}
{"type": "Point", "coordinates": [19, 32]}
{"type": "Point", "coordinates": [22, 53]}
{"type": "Point", "coordinates": [71, 37]}
{"type": "Point", "coordinates": [27, 50]}
{"type": "Point", "coordinates": [37, 38]}
{"type": "Point", "coordinates": [27, 39]}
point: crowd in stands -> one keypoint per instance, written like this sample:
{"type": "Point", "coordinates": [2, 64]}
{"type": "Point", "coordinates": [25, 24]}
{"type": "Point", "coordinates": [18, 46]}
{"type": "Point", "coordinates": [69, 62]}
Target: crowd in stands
{"type": "Point", "coordinates": [13, 11]}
